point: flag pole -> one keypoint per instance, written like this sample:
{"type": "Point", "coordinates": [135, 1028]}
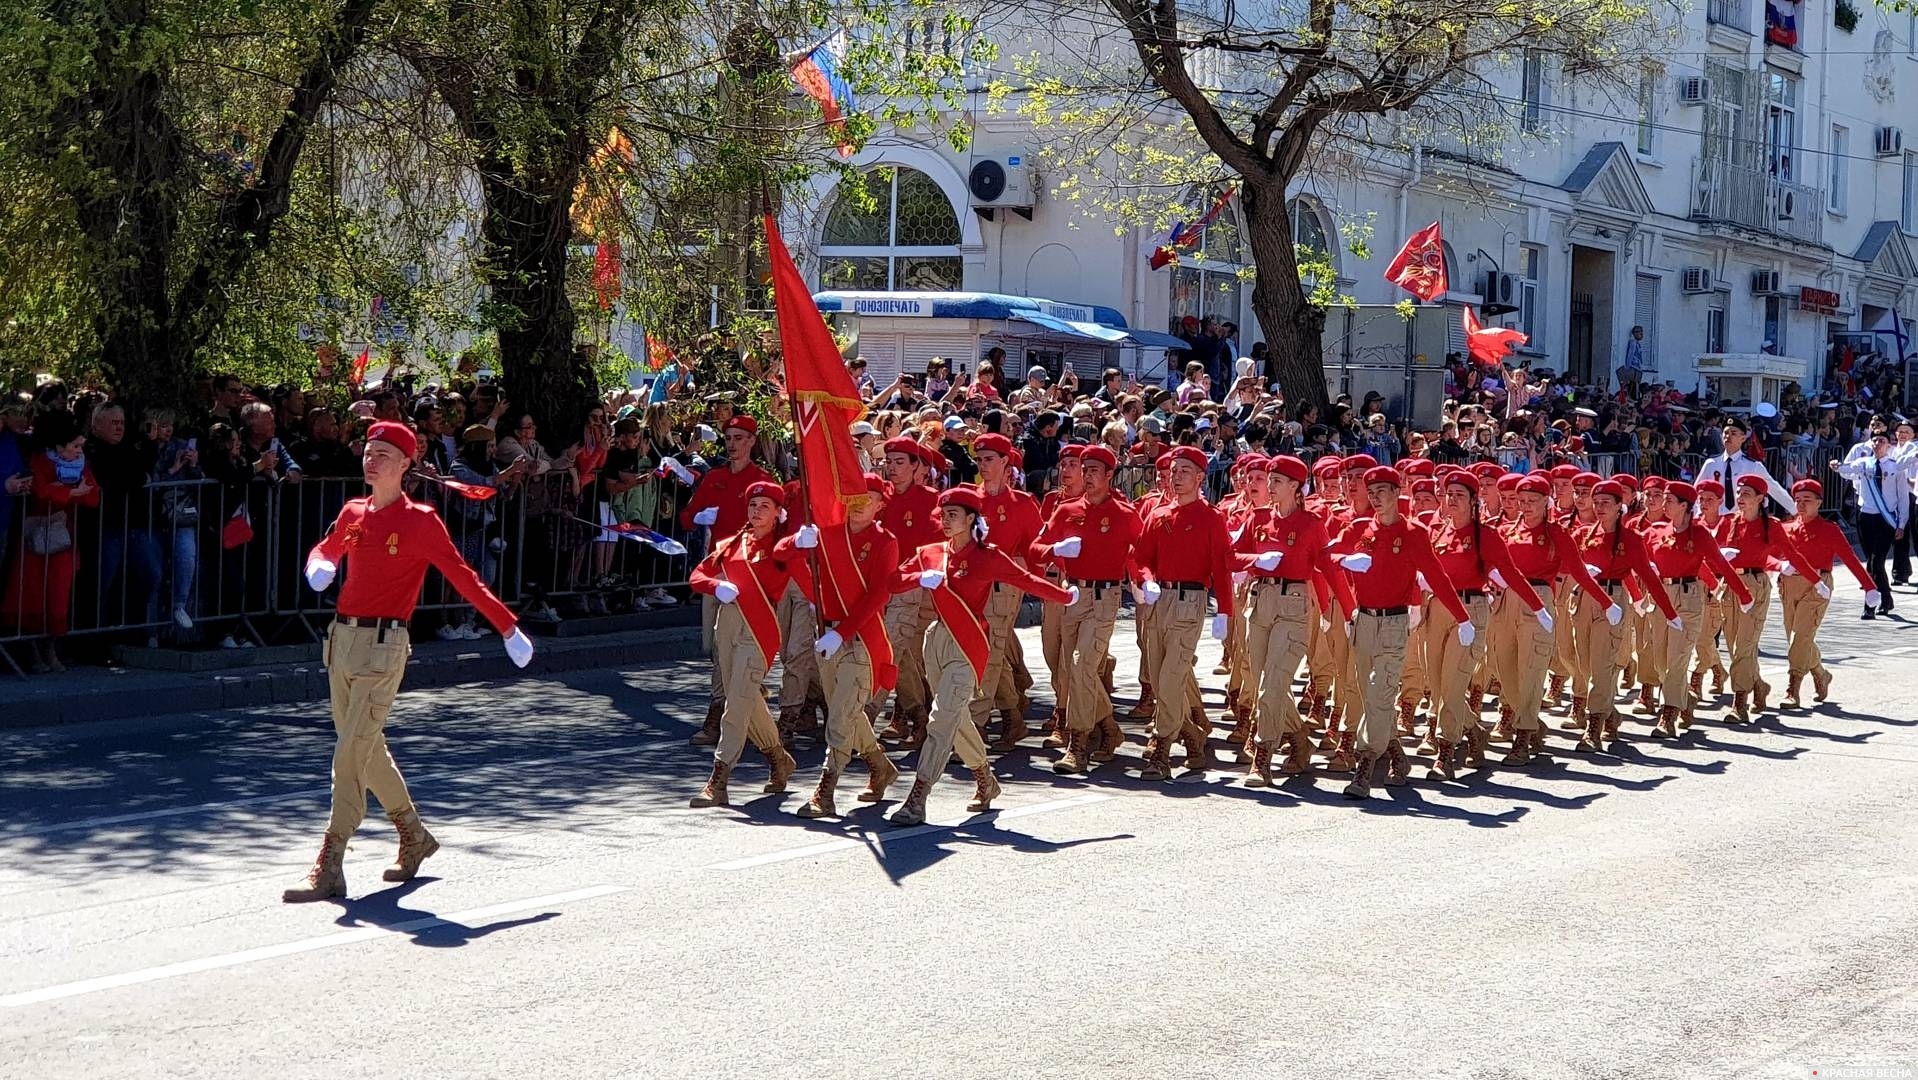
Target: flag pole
{"type": "Point", "coordinates": [792, 407]}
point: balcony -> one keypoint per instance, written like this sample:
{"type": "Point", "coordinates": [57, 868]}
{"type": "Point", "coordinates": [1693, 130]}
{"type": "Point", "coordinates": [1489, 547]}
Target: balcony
{"type": "Point", "coordinates": [1730, 13]}
{"type": "Point", "coordinates": [1757, 200]}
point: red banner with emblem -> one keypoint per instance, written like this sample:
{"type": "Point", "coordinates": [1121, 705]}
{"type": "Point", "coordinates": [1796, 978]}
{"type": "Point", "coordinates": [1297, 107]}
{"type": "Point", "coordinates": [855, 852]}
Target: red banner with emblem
{"type": "Point", "coordinates": [1419, 267]}
{"type": "Point", "coordinates": [825, 400]}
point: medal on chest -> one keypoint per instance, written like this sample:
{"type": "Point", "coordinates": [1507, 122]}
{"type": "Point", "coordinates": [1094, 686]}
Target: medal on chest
{"type": "Point", "coordinates": [1002, 512]}
{"type": "Point", "coordinates": [1397, 543]}
{"type": "Point", "coordinates": [1105, 524]}
{"type": "Point", "coordinates": [907, 524]}
{"type": "Point", "coordinates": [1291, 538]}
{"type": "Point", "coordinates": [392, 543]}
{"type": "Point", "coordinates": [959, 571]}
{"type": "Point", "coordinates": [865, 549]}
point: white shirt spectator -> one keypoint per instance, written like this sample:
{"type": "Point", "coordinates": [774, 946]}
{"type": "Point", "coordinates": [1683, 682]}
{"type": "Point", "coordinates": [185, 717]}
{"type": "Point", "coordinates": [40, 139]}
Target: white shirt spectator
{"type": "Point", "coordinates": [1883, 483]}
{"type": "Point", "coordinates": [1728, 468]}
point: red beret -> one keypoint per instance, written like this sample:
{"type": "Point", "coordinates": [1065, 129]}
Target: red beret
{"type": "Point", "coordinates": [766, 489]}
{"type": "Point", "coordinates": [1459, 478]}
{"type": "Point", "coordinates": [744, 423]}
{"type": "Point", "coordinates": [1419, 466]}
{"type": "Point", "coordinates": [1533, 484]}
{"type": "Point", "coordinates": [1586, 479]}
{"type": "Point", "coordinates": [997, 444]}
{"type": "Point", "coordinates": [1627, 481]}
{"type": "Point", "coordinates": [1808, 487]}
{"type": "Point", "coordinates": [1248, 462]}
{"type": "Point", "coordinates": [1358, 463]}
{"type": "Point", "coordinates": [396, 435]}
{"type": "Point", "coordinates": [964, 495]}
{"type": "Point", "coordinates": [876, 484]}
{"type": "Point", "coordinates": [1488, 470]}
{"type": "Point", "coordinates": [1508, 481]}
{"type": "Point", "coordinates": [1018, 459]}
{"type": "Point", "coordinates": [1424, 485]}
{"type": "Point", "coordinates": [1683, 492]}
{"type": "Point", "coordinates": [1712, 486]}
{"type": "Point", "coordinates": [1326, 466]}
{"type": "Point", "coordinates": [1190, 454]}
{"type": "Point", "coordinates": [1379, 474]}
{"type": "Point", "coordinates": [1563, 472]}
{"type": "Point", "coordinates": [1653, 483]}
{"type": "Point", "coordinates": [1610, 487]}
{"type": "Point", "coordinates": [1101, 454]}
{"type": "Point", "coordinates": [1287, 466]}
{"type": "Point", "coordinates": [1164, 462]}
{"type": "Point", "coordinates": [1755, 483]}
{"type": "Point", "coordinates": [1072, 450]}
{"type": "Point", "coordinates": [900, 444]}
{"type": "Point", "coordinates": [934, 458]}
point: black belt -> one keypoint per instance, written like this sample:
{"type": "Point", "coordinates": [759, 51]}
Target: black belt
{"type": "Point", "coordinates": [1182, 586]}
{"type": "Point", "coordinates": [1383, 612]}
{"type": "Point", "coordinates": [1471, 594]}
{"type": "Point", "coordinates": [380, 624]}
{"type": "Point", "coordinates": [1087, 583]}
{"type": "Point", "coordinates": [1611, 583]}
{"type": "Point", "coordinates": [1753, 570]}
{"type": "Point", "coordinates": [1286, 585]}
{"type": "Point", "coordinates": [1679, 580]}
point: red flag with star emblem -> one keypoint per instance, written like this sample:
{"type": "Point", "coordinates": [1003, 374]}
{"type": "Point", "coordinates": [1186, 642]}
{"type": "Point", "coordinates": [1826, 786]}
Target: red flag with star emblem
{"type": "Point", "coordinates": [1419, 267]}
{"type": "Point", "coordinates": [825, 400]}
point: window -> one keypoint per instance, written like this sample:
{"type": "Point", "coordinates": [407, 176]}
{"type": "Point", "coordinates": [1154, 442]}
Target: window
{"type": "Point", "coordinates": [1532, 92]}
{"type": "Point", "coordinates": [1715, 327]}
{"type": "Point", "coordinates": [1774, 342]}
{"type": "Point", "coordinates": [909, 239]}
{"type": "Point", "coordinates": [1908, 206]}
{"type": "Point", "coordinates": [1312, 237]}
{"type": "Point", "coordinates": [1781, 123]}
{"type": "Point", "coordinates": [1648, 112]}
{"type": "Point", "coordinates": [1531, 289]}
{"type": "Point", "coordinates": [1838, 174]}
{"type": "Point", "coordinates": [1645, 314]}
{"type": "Point", "coordinates": [1210, 285]}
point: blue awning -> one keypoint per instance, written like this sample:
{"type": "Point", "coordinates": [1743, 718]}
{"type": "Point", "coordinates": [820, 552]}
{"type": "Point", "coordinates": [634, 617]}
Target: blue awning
{"type": "Point", "coordinates": [962, 305]}
{"type": "Point", "coordinates": [1104, 335]}
{"type": "Point", "coordinates": [1155, 340]}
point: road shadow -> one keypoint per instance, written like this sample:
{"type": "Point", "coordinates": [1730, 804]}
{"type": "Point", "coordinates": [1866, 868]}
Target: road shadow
{"type": "Point", "coordinates": [384, 910]}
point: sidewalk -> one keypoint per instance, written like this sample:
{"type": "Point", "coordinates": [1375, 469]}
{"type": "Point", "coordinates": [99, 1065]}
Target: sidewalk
{"type": "Point", "coordinates": [291, 674]}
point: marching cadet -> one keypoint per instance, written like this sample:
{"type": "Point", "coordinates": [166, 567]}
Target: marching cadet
{"type": "Point", "coordinates": [1652, 636]}
{"type": "Point", "coordinates": [387, 542]}
{"type": "Point", "coordinates": [1148, 504]}
{"type": "Point", "coordinates": [1320, 661]}
{"type": "Point", "coordinates": [1469, 549]}
{"type": "Point", "coordinates": [1752, 541]}
{"type": "Point", "coordinates": [1184, 550]}
{"type": "Point", "coordinates": [1415, 682]}
{"type": "Point", "coordinates": [858, 566]}
{"type": "Point", "coordinates": [1563, 512]}
{"type": "Point", "coordinates": [960, 573]}
{"type": "Point", "coordinates": [1711, 515]}
{"type": "Point", "coordinates": [719, 503]}
{"type": "Point", "coordinates": [1683, 551]}
{"type": "Point", "coordinates": [1012, 523]}
{"type": "Point", "coordinates": [1052, 616]}
{"type": "Point", "coordinates": [911, 517]}
{"type": "Point", "coordinates": [1090, 538]}
{"type": "Point", "coordinates": [1822, 543]}
{"type": "Point", "coordinates": [801, 692]}
{"type": "Point", "coordinates": [1348, 699]}
{"type": "Point", "coordinates": [1543, 550]}
{"type": "Point", "coordinates": [744, 574]}
{"type": "Point", "coordinates": [1251, 495]}
{"type": "Point", "coordinates": [1615, 556]}
{"type": "Point", "coordinates": [1385, 552]}
{"type": "Point", "coordinates": [1286, 553]}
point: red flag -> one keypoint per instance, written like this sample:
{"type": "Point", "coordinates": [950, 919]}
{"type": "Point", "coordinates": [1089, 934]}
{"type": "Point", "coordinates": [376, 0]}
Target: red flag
{"type": "Point", "coordinates": [659, 354]}
{"type": "Point", "coordinates": [1491, 346]}
{"type": "Point", "coordinates": [1419, 267]}
{"type": "Point", "coordinates": [826, 400]}
{"type": "Point", "coordinates": [357, 377]}
{"type": "Point", "coordinates": [475, 492]}
{"type": "Point", "coordinates": [1185, 235]}
{"type": "Point", "coordinates": [606, 273]}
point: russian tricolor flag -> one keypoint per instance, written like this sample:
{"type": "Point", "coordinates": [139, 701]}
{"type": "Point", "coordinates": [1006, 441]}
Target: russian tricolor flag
{"type": "Point", "coordinates": [817, 73]}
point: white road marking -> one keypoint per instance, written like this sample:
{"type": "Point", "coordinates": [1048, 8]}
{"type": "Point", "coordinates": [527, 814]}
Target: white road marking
{"type": "Point", "coordinates": [1902, 650]}
{"type": "Point", "coordinates": [291, 948]}
{"type": "Point", "coordinates": [869, 838]}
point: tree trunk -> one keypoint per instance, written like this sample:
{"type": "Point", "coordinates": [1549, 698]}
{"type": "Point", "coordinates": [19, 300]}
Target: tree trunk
{"type": "Point", "coordinates": [528, 225]}
{"type": "Point", "coordinates": [1294, 329]}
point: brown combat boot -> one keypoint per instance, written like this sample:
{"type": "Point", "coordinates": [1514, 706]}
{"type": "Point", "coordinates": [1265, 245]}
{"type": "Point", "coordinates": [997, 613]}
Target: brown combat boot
{"type": "Point", "coordinates": [1792, 700]}
{"type": "Point", "coordinates": [1575, 717]}
{"type": "Point", "coordinates": [327, 879]}
{"type": "Point", "coordinates": [1667, 726]}
{"type": "Point", "coordinates": [1241, 730]}
{"type": "Point", "coordinates": [1475, 699]}
{"type": "Point", "coordinates": [1554, 690]}
{"type": "Point", "coordinates": [1342, 759]}
{"type": "Point", "coordinates": [708, 733]}
{"type": "Point", "coordinates": [1398, 769]}
{"type": "Point", "coordinates": [1594, 738]}
{"type": "Point", "coordinates": [1741, 708]}
{"type": "Point", "coordinates": [1611, 726]}
{"type": "Point", "coordinates": [915, 734]}
{"type": "Point", "coordinates": [783, 767]}
{"type": "Point", "coordinates": [822, 802]}
{"type": "Point", "coordinates": [881, 772]}
{"type": "Point", "coordinates": [985, 789]}
{"type": "Point", "coordinates": [1647, 705]}
{"type": "Point", "coordinates": [1495, 690]}
{"type": "Point", "coordinates": [1078, 755]}
{"type": "Point", "coordinates": [1476, 742]}
{"type": "Point", "coordinates": [1107, 738]}
{"type": "Point", "coordinates": [1718, 679]}
{"type": "Point", "coordinates": [1330, 740]}
{"type": "Point", "coordinates": [913, 810]}
{"type": "Point", "coordinates": [1521, 751]}
{"type": "Point", "coordinates": [1629, 675]}
{"type": "Point", "coordinates": [1361, 785]}
{"type": "Point", "coordinates": [1431, 740]}
{"type": "Point", "coordinates": [896, 726]}
{"type": "Point", "coordinates": [1442, 766]}
{"type": "Point", "coordinates": [1299, 761]}
{"type": "Point", "coordinates": [1761, 696]}
{"type": "Point", "coordinates": [1158, 759]}
{"type": "Point", "coordinates": [1507, 722]}
{"type": "Point", "coordinates": [416, 846]}
{"type": "Point", "coordinates": [1198, 755]}
{"type": "Point", "coordinates": [1146, 702]}
{"type": "Point", "coordinates": [1056, 731]}
{"type": "Point", "coordinates": [714, 793]}
{"type": "Point", "coordinates": [1011, 731]}
{"type": "Point", "coordinates": [1408, 717]}
{"type": "Point", "coordinates": [1698, 684]}
{"type": "Point", "coordinates": [1258, 770]}
{"type": "Point", "coordinates": [1820, 684]}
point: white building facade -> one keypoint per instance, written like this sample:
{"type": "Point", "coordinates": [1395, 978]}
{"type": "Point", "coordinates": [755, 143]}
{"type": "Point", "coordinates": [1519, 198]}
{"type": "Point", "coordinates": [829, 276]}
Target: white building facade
{"type": "Point", "coordinates": [1755, 204]}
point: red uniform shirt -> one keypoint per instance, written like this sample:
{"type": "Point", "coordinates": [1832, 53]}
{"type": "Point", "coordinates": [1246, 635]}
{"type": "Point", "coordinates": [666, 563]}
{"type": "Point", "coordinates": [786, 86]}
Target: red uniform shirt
{"type": "Point", "coordinates": [1012, 521]}
{"type": "Point", "coordinates": [1760, 542]}
{"type": "Point", "coordinates": [1690, 553]}
{"type": "Point", "coordinates": [1106, 530]}
{"type": "Point", "coordinates": [912, 517]}
{"type": "Point", "coordinates": [1188, 542]}
{"type": "Point", "coordinates": [960, 602]}
{"type": "Point", "coordinates": [1545, 552]}
{"type": "Point", "coordinates": [1619, 556]}
{"type": "Point", "coordinates": [1823, 543]}
{"type": "Point", "coordinates": [1300, 538]}
{"type": "Point", "coordinates": [761, 573]}
{"type": "Point", "coordinates": [1470, 554]}
{"type": "Point", "coordinates": [856, 574]}
{"type": "Point", "coordinates": [387, 552]}
{"type": "Point", "coordinates": [1400, 552]}
{"type": "Point", "coordinates": [726, 490]}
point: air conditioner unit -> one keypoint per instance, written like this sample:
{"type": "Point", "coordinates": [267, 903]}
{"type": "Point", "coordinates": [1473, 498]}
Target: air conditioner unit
{"type": "Point", "coordinates": [1786, 204]}
{"type": "Point", "coordinates": [1002, 181]}
{"type": "Point", "coordinates": [1766, 283]}
{"type": "Point", "coordinates": [1695, 279]}
{"type": "Point", "coordinates": [1500, 293]}
{"type": "Point", "coordinates": [1694, 90]}
{"type": "Point", "coordinates": [1890, 142]}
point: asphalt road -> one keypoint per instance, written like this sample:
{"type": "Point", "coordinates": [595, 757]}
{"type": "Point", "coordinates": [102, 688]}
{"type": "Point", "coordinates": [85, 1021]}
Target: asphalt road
{"type": "Point", "coordinates": [1738, 904]}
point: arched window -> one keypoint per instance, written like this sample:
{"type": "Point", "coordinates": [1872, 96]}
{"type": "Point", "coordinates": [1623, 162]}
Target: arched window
{"type": "Point", "coordinates": [1208, 283]}
{"type": "Point", "coordinates": [907, 240]}
{"type": "Point", "coordinates": [1312, 237]}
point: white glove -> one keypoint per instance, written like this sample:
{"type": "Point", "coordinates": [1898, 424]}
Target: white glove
{"type": "Point", "coordinates": [931, 579]}
{"type": "Point", "coordinates": [1787, 570]}
{"type": "Point", "coordinates": [519, 647]}
{"type": "Point", "coordinates": [684, 474]}
{"type": "Point", "coordinates": [706, 433]}
{"type": "Point", "coordinates": [1325, 624]}
{"type": "Point", "coordinates": [1745, 608]}
{"type": "Point", "coordinates": [1466, 635]}
{"type": "Point", "coordinates": [1424, 585]}
{"type": "Point", "coordinates": [1614, 614]}
{"type": "Point", "coordinates": [1149, 593]}
{"type": "Point", "coordinates": [1236, 533]}
{"type": "Point", "coordinates": [1643, 606]}
{"type": "Point", "coordinates": [1592, 570]}
{"type": "Point", "coordinates": [1873, 598]}
{"type": "Point", "coordinates": [1498, 579]}
{"type": "Point", "coordinates": [1544, 620]}
{"type": "Point", "coordinates": [829, 643]}
{"type": "Point", "coordinates": [1269, 561]}
{"type": "Point", "coordinates": [725, 592]}
{"type": "Point", "coordinates": [1238, 577]}
{"type": "Point", "coordinates": [319, 573]}
{"type": "Point", "coordinates": [1220, 624]}
{"type": "Point", "coordinates": [1676, 623]}
{"type": "Point", "coordinates": [1351, 630]}
{"type": "Point", "coordinates": [807, 537]}
{"type": "Point", "coordinates": [1414, 615]}
{"type": "Point", "coordinates": [1358, 564]}
{"type": "Point", "coordinates": [782, 515]}
{"type": "Point", "coordinates": [1728, 553]}
{"type": "Point", "coordinates": [706, 516]}
{"type": "Point", "coordinates": [1067, 548]}
{"type": "Point", "coordinates": [1074, 598]}
{"type": "Point", "coordinates": [1824, 591]}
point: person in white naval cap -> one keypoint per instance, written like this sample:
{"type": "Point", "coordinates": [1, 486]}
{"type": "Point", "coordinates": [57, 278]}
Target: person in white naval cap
{"type": "Point", "coordinates": [1883, 482]}
{"type": "Point", "coordinates": [1728, 468]}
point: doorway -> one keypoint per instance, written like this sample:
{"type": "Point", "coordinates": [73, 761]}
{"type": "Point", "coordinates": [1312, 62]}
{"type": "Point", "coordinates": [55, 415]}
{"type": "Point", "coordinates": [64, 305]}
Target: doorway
{"type": "Point", "coordinates": [1589, 359]}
